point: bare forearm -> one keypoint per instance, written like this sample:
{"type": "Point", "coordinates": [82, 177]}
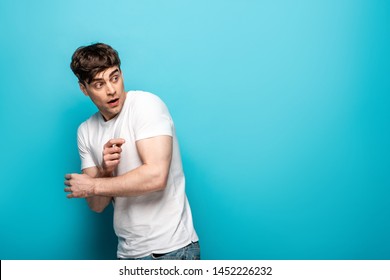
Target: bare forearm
{"type": "Point", "coordinates": [142, 180]}
{"type": "Point", "coordinates": [151, 176]}
{"type": "Point", "coordinates": [98, 203]}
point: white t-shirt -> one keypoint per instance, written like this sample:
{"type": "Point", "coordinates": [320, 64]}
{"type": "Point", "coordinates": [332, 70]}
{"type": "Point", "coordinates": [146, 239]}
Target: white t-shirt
{"type": "Point", "coordinates": [157, 222]}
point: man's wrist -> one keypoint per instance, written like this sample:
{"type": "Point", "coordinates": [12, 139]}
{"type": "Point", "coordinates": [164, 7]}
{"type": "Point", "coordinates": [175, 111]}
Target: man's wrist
{"type": "Point", "coordinates": [95, 187]}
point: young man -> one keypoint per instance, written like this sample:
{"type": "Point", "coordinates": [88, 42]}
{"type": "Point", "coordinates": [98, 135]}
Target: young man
{"type": "Point", "coordinates": [130, 156]}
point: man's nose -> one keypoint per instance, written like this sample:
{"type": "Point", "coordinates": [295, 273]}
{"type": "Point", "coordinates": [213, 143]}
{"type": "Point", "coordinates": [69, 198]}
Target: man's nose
{"type": "Point", "coordinates": [110, 89]}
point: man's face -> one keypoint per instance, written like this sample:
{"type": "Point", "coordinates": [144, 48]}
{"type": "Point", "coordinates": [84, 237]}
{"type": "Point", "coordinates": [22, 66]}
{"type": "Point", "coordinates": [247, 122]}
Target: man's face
{"type": "Point", "coordinates": [106, 90]}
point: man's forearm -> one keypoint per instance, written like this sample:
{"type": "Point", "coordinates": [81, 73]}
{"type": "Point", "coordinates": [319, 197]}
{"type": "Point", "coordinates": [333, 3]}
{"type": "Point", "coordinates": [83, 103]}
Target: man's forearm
{"type": "Point", "coordinates": [151, 176]}
{"type": "Point", "coordinates": [98, 203]}
{"type": "Point", "coordinates": [142, 180]}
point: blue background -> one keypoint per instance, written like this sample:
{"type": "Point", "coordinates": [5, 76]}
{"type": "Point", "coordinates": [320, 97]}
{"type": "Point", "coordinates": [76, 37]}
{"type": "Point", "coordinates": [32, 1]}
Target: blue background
{"type": "Point", "coordinates": [281, 108]}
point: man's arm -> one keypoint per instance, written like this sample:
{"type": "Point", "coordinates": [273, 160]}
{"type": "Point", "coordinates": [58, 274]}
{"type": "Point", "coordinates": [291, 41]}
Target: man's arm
{"type": "Point", "coordinates": [151, 176]}
{"type": "Point", "coordinates": [111, 157]}
{"type": "Point", "coordinates": [96, 203]}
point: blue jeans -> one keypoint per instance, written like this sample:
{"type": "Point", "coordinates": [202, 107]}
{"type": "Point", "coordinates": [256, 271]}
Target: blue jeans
{"type": "Point", "coordinates": [189, 252]}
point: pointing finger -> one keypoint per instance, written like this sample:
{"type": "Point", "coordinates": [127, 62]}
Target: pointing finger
{"type": "Point", "coordinates": [116, 141]}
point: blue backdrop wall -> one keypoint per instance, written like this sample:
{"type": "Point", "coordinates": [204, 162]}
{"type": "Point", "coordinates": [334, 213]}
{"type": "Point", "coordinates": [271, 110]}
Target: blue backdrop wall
{"type": "Point", "coordinates": [281, 108]}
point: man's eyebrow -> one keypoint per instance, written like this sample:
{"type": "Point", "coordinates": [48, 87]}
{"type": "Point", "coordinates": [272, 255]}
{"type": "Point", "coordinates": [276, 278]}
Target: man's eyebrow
{"type": "Point", "coordinates": [101, 79]}
{"type": "Point", "coordinates": [96, 80]}
{"type": "Point", "coordinates": [114, 72]}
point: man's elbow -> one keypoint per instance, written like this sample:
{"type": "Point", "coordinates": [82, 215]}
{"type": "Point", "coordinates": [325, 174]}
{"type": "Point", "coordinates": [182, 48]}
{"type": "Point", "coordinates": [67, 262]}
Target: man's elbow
{"type": "Point", "coordinates": [161, 181]}
{"type": "Point", "coordinates": [96, 207]}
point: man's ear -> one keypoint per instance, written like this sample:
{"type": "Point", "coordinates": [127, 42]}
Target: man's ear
{"type": "Point", "coordinates": [83, 89]}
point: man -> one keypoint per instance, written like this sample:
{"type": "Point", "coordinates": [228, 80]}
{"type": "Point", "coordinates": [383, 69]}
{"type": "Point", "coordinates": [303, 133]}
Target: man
{"type": "Point", "coordinates": [130, 156]}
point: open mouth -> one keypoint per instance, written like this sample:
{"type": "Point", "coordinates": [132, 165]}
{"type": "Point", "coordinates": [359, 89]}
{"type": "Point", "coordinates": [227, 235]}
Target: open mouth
{"type": "Point", "coordinates": [113, 101]}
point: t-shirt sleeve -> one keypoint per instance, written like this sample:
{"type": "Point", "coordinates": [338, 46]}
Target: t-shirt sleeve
{"type": "Point", "coordinates": [151, 117]}
{"type": "Point", "coordinates": [84, 150]}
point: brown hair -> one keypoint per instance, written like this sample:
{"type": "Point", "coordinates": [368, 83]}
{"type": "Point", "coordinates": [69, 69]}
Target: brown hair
{"type": "Point", "coordinates": [87, 61]}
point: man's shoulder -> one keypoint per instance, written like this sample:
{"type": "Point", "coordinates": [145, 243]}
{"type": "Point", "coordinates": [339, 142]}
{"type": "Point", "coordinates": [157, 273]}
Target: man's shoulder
{"type": "Point", "coordinates": [140, 95]}
{"type": "Point", "coordinates": [143, 98]}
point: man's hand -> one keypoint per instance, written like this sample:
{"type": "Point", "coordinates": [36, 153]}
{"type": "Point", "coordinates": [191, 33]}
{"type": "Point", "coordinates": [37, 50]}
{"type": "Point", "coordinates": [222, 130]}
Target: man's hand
{"type": "Point", "coordinates": [82, 185]}
{"type": "Point", "coordinates": [79, 185]}
{"type": "Point", "coordinates": [111, 156]}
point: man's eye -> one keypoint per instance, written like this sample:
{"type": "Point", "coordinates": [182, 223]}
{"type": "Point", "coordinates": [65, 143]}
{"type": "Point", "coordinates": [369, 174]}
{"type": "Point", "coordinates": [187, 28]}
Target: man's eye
{"type": "Point", "coordinates": [98, 85]}
{"type": "Point", "coordinates": [115, 79]}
